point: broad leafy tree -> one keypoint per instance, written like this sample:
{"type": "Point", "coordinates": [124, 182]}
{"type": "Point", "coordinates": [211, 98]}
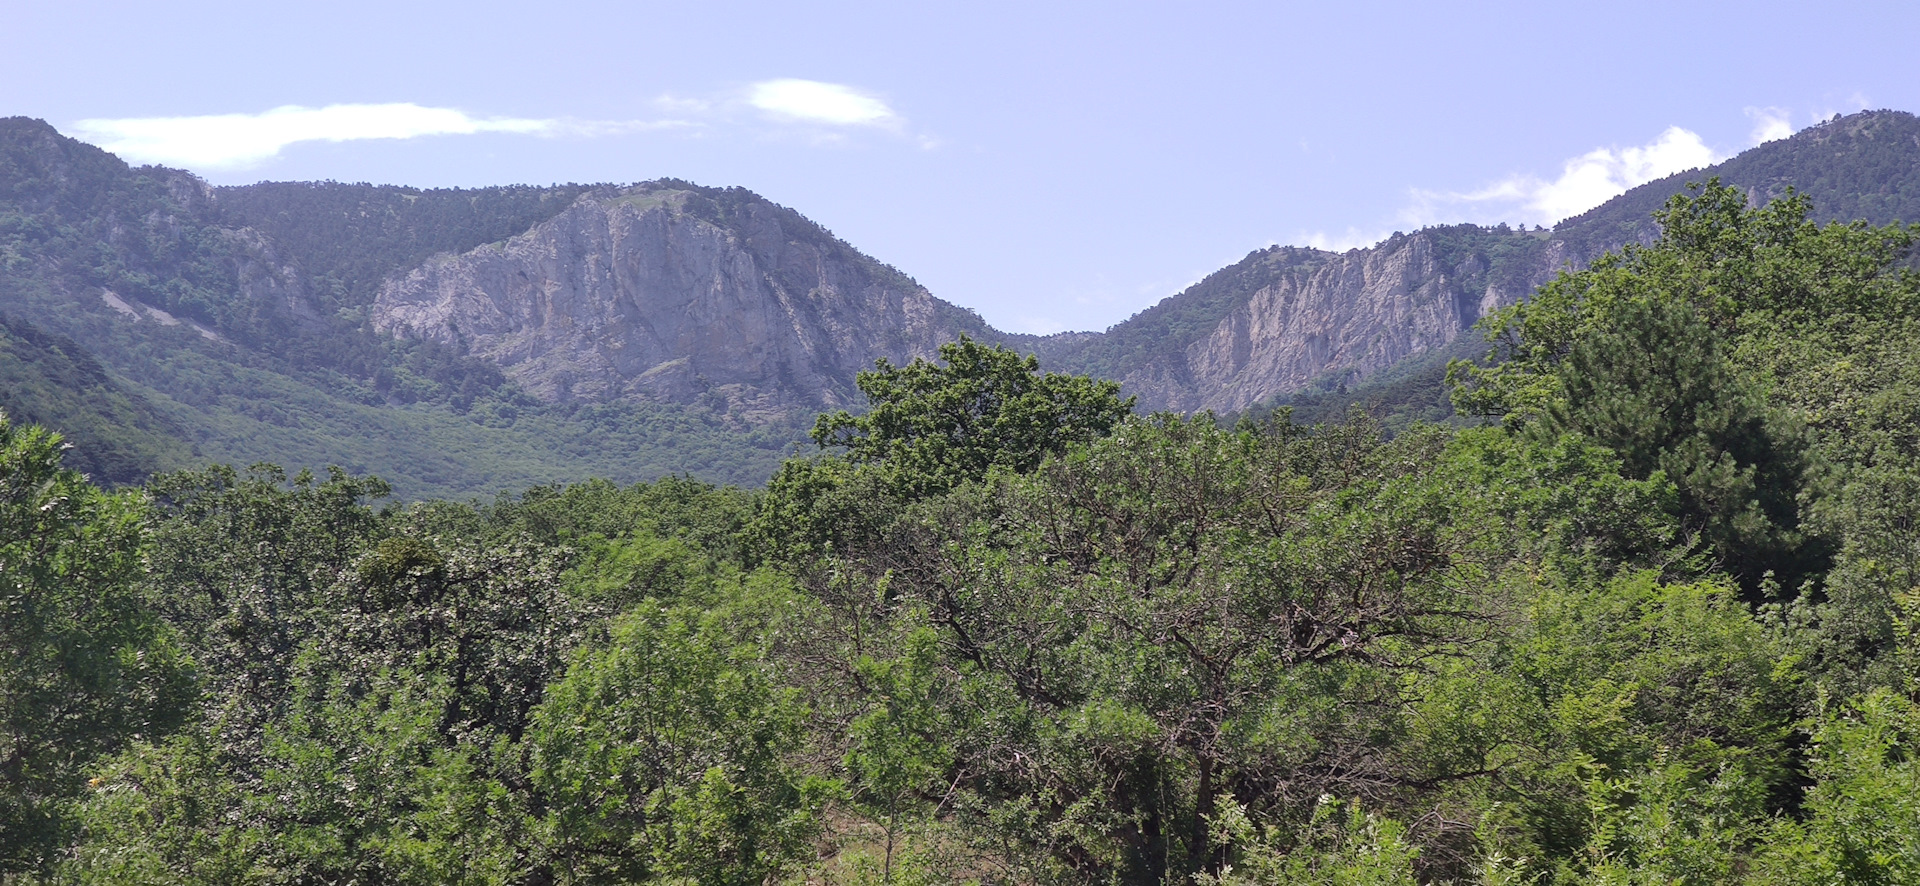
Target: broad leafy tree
{"type": "Point", "coordinates": [931, 426]}
{"type": "Point", "coordinates": [84, 664]}
{"type": "Point", "coordinates": [937, 426]}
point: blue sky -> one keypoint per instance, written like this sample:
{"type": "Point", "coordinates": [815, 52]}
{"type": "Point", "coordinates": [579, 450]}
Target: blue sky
{"type": "Point", "coordinates": [1051, 165]}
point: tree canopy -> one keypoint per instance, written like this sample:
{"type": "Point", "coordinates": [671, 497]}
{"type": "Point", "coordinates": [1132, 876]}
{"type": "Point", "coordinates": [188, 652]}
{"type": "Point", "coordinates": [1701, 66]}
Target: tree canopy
{"type": "Point", "coordinates": [936, 426]}
{"type": "Point", "coordinates": [1655, 624]}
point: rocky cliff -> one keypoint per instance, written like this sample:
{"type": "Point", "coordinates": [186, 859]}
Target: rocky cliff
{"type": "Point", "coordinates": [1282, 317]}
{"type": "Point", "coordinates": [682, 294]}
{"type": "Point", "coordinates": [672, 327]}
{"type": "Point", "coordinates": [674, 294]}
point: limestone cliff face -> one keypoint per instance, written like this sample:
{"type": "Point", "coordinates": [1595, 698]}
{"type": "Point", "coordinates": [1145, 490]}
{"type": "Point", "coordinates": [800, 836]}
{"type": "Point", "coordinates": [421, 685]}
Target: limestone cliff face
{"type": "Point", "coordinates": [672, 295]}
{"type": "Point", "coordinates": [1353, 313]}
{"type": "Point", "coordinates": [735, 304]}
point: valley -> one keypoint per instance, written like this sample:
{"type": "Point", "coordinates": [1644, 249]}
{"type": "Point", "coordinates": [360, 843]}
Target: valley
{"type": "Point", "coordinates": [466, 343]}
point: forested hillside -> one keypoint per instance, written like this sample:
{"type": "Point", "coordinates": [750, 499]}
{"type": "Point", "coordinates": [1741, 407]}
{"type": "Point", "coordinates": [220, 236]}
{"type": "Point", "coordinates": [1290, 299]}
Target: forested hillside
{"type": "Point", "coordinates": [1652, 622]}
{"type": "Point", "coordinates": [461, 342]}
{"type": "Point", "coordinates": [1358, 327]}
{"type": "Point", "coordinates": [235, 320]}
{"type": "Point", "coordinates": [1856, 167]}
{"type": "Point", "coordinates": [342, 324]}
{"type": "Point", "coordinates": [118, 437]}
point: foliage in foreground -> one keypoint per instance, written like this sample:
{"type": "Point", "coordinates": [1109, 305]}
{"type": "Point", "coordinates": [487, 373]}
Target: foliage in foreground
{"type": "Point", "coordinates": [1655, 625]}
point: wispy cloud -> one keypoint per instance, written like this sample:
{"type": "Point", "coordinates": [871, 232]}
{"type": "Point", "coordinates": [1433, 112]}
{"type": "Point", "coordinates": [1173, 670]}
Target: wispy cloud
{"type": "Point", "coordinates": [1770, 124]}
{"type": "Point", "coordinates": [238, 141]}
{"type": "Point", "coordinates": [241, 140]}
{"type": "Point", "coordinates": [1584, 182]}
{"type": "Point", "coordinates": [1354, 238]}
{"type": "Point", "coordinates": [812, 101]}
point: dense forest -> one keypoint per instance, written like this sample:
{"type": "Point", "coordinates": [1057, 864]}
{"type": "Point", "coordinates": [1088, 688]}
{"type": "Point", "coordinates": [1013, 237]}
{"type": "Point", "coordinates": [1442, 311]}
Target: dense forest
{"type": "Point", "coordinates": [1649, 618]}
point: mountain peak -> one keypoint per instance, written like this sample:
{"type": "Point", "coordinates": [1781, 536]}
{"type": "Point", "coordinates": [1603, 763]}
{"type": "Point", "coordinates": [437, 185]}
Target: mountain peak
{"type": "Point", "coordinates": [668, 291]}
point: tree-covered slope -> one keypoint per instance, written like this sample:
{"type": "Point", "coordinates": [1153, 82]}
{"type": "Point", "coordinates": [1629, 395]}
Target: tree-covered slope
{"type": "Point", "coordinates": [347, 238]}
{"type": "Point", "coordinates": [250, 318]}
{"type": "Point", "coordinates": [1656, 624]}
{"type": "Point", "coordinates": [118, 437]}
{"type": "Point", "coordinates": [1860, 167]}
{"type": "Point", "coordinates": [1863, 167]}
{"type": "Point", "coordinates": [239, 316]}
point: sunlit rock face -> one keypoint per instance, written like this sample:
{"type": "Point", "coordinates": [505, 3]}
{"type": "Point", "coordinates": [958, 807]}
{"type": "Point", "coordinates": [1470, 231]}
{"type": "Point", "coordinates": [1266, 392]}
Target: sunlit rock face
{"type": "Point", "coordinates": [662, 294]}
{"type": "Point", "coordinates": [1353, 313]}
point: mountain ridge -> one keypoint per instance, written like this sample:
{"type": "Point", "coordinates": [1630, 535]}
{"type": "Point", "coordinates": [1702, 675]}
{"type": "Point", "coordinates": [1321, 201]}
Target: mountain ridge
{"type": "Point", "coordinates": [1389, 302]}
{"type": "Point", "coordinates": [636, 293]}
{"type": "Point", "coordinates": [488, 320]}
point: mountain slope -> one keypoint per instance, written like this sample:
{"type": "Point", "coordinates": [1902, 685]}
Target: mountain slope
{"type": "Point", "coordinates": [117, 437]}
{"type": "Point", "coordinates": [256, 320]}
{"type": "Point", "coordinates": [1284, 319]}
{"type": "Point", "coordinates": [460, 342]}
{"type": "Point", "coordinates": [667, 292]}
{"type": "Point", "coordinates": [1354, 313]}
{"type": "Point", "coordinates": [222, 330]}
{"type": "Point", "coordinates": [1863, 166]}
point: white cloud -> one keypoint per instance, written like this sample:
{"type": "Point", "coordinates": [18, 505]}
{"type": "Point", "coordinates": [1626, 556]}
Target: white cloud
{"type": "Point", "coordinates": [1855, 102]}
{"type": "Point", "coordinates": [240, 140]}
{"type": "Point", "coordinates": [815, 102]}
{"type": "Point", "coordinates": [1770, 124]}
{"type": "Point", "coordinates": [1585, 181]}
{"type": "Point", "coordinates": [685, 105]}
{"type": "Point", "coordinates": [1354, 238]}
{"type": "Point", "coordinates": [592, 128]}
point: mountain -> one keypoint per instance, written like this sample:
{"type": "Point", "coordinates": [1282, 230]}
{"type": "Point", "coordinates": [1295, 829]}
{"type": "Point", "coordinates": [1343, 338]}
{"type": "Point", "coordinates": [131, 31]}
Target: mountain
{"type": "Point", "coordinates": [667, 292]}
{"type": "Point", "coordinates": [464, 341]}
{"type": "Point", "coordinates": [1285, 319]}
{"type": "Point", "coordinates": [240, 317]}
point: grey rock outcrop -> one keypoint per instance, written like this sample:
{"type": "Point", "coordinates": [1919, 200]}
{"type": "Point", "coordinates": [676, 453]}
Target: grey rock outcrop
{"type": "Point", "coordinates": [717, 298]}
{"type": "Point", "coordinates": [659, 292]}
{"type": "Point", "coordinates": [1361, 312]}
{"type": "Point", "coordinates": [1300, 317]}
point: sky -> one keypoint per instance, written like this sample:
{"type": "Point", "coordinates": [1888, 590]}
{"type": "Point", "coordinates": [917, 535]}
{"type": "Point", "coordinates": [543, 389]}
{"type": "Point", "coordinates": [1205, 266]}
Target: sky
{"type": "Point", "coordinates": [1052, 165]}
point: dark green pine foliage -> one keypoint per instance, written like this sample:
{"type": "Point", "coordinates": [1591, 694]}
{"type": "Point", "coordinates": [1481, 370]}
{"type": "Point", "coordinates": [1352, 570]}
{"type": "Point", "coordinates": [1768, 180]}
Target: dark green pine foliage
{"type": "Point", "coordinates": [1007, 633]}
{"type": "Point", "coordinates": [931, 427]}
{"type": "Point", "coordinates": [1657, 387]}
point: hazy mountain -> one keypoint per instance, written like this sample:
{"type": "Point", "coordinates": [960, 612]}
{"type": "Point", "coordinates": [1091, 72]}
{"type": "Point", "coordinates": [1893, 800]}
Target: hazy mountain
{"type": "Point", "coordinates": [668, 292]}
{"type": "Point", "coordinates": [464, 341]}
{"type": "Point", "coordinates": [240, 315]}
{"type": "Point", "coordinates": [1285, 319]}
